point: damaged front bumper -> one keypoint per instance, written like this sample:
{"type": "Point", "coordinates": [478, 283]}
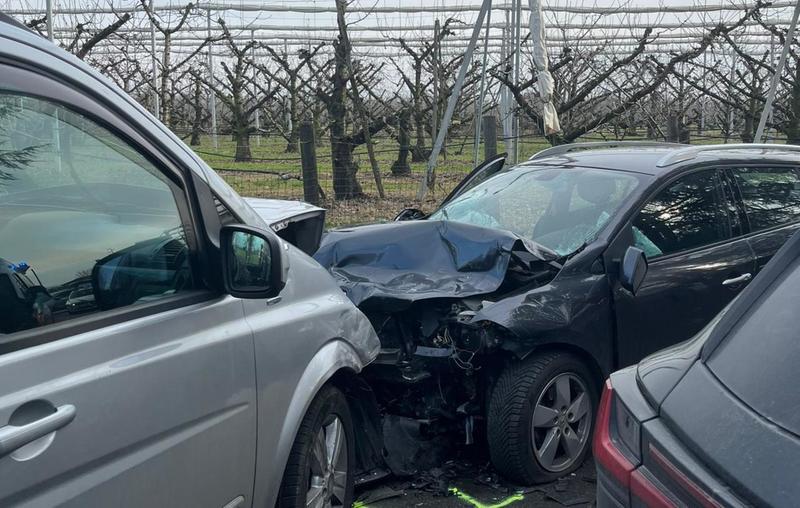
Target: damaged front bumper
{"type": "Point", "coordinates": [433, 291]}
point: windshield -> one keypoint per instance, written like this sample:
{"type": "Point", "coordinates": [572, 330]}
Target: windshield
{"type": "Point", "coordinates": [559, 208]}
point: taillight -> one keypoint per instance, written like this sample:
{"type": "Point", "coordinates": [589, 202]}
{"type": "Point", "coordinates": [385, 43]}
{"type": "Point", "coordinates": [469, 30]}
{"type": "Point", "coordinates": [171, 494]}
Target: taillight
{"type": "Point", "coordinates": [645, 491]}
{"type": "Point", "coordinates": [609, 456]}
{"type": "Point", "coordinates": [605, 451]}
{"type": "Point", "coordinates": [702, 497]}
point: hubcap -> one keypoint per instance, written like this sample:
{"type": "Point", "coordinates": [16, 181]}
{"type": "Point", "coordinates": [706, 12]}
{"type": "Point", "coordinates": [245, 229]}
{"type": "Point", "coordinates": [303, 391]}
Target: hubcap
{"type": "Point", "coordinates": [328, 481]}
{"type": "Point", "coordinates": [561, 421]}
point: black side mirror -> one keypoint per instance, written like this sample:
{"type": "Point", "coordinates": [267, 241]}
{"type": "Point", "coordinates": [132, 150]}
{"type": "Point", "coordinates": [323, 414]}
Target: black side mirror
{"type": "Point", "coordinates": [410, 214]}
{"type": "Point", "coordinates": [254, 264]}
{"type": "Point", "coordinates": [633, 269]}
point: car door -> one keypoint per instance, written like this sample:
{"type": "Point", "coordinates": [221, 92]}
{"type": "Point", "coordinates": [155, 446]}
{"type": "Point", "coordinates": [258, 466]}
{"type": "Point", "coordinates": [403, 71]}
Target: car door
{"type": "Point", "coordinates": [770, 198]}
{"type": "Point", "coordinates": [124, 380]}
{"type": "Point", "coordinates": [698, 262]}
{"type": "Point", "coordinates": [480, 173]}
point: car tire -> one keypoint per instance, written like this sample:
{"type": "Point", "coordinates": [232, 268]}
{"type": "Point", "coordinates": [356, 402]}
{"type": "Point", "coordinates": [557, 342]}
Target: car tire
{"type": "Point", "coordinates": [309, 472]}
{"type": "Point", "coordinates": [561, 438]}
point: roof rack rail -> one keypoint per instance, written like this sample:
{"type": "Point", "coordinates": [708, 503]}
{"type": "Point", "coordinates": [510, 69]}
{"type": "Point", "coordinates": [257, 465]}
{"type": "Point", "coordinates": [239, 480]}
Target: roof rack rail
{"type": "Point", "coordinates": [691, 152]}
{"type": "Point", "coordinates": [575, 147]}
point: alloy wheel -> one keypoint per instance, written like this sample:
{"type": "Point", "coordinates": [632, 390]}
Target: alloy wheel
{"type": "Point", "coordinates": [328, 479]}
{"type": "Point", "coordinates": [561, 423]}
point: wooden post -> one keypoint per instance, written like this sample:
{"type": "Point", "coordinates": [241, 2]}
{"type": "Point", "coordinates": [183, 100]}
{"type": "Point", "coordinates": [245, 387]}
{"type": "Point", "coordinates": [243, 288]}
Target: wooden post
{"type": "Point", "coordinates": [489, 136]}
{"type": "Point", "coordinates": [673, 128]}
{"type": "Point", "coordinates": [308, 155]}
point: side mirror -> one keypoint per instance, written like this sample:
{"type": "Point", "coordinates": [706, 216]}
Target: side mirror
{"type": "Point", "coordinates": [633, 269]}
{"type": "Point", "coordinates": [254, 264]}
{"type": "Point", "coordinates": [410, 214]}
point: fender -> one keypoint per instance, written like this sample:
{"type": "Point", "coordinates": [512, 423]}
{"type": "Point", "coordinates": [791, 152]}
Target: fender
{"type": "Point", "coordinates": [331, 358]}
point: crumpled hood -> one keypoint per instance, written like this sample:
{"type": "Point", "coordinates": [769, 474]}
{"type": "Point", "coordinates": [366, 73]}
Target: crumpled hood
{"type": "Point", "coordinates": [419, 260]}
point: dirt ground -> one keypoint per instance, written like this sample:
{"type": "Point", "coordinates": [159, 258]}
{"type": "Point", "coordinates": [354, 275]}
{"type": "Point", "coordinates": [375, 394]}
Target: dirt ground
{"type": "Point", "coordinates": [459, 485]}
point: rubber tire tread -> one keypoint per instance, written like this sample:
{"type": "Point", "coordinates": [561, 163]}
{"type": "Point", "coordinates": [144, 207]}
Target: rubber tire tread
{"type": "Point", "coordinates": [294, 485]}
{"type": "Point", "coordinates": [510, 411]}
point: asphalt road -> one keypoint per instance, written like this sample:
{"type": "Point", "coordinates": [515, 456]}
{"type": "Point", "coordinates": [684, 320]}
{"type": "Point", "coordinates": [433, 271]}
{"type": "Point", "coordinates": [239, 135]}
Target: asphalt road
{"type": "Point", "coordinates": [458, 485]}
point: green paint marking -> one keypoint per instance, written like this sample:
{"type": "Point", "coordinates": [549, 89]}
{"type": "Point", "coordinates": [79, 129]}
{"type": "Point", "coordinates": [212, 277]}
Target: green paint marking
{"type": "Point", "coordinates": [477, 504]}
{"type": "Point", "coordinates": [359, 504]}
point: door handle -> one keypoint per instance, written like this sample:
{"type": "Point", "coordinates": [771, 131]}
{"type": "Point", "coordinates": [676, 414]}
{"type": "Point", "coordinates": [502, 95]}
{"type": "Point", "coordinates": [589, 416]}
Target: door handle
{"type": "Point", "coordinates": [745, 277]}
{"type": "Point", "coordinates": [13, 437]}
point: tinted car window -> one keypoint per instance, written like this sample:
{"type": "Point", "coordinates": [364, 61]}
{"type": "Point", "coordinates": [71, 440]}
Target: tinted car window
{"type": "Point", "coordinates": [685, 215]}
{"type": "Point", "coordinates": [86, 222]}
{"type": "Point", "coordinates": [771, 196]}
{"type": "Point", "coordinates": [759, 359]}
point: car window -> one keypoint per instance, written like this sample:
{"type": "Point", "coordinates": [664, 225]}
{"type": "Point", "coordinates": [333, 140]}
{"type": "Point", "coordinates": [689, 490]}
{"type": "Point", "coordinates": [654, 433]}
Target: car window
{"type": "Point", "coordinates": [685, 215]}
{"type": "Point", "coordinates": [758, 359]}
{"type": "Point", "coordinates": [86, 222]}
{"type": "Point", "coordinates": [559, 208]}
{"type": "Point", "coordinates": [771, 196]}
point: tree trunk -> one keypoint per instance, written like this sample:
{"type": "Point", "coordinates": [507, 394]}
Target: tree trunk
{"type": "Point", "coordinates": [793, 122]}
{"type": "Point", "coordinates": [419, 154]}
{"type": "Point", "coordinates": [749, 128]}
{"type": "Point", "coordinates": [345, 185]}
{"type": "Point", "coordinates": [401, 166]}
{"type": "Point", "coordinates": [198, 113]}
{"type": "Point", "coordinates": [166, 95]}
{"type": "Point", "coordinates": [242, 135]}
{"type": "Point", "coordinates": [291, 144]}
{"type": "Point", "coordinates": [652, 132]}
{"type": "Point", "coordinates": [672, 128]}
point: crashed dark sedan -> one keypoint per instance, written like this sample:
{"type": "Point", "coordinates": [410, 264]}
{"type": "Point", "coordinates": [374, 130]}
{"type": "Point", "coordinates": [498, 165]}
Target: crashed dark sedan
{"type": "Point", "coordinates": [501, 312]}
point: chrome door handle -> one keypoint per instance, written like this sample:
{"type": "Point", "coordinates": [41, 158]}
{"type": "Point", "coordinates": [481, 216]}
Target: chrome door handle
{"type": "Point", "coordinates": [745, 277]}
{"type": "Point", "coordinates": [13, 437]}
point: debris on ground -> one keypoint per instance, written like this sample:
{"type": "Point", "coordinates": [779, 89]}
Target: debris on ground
{"type": "Point", "coordinates": [470, 481]}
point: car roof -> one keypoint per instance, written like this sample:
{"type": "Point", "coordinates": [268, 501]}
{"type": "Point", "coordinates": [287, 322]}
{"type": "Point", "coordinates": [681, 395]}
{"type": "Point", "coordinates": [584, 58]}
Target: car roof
{"type": "Point", "coordinates": [658, 160]}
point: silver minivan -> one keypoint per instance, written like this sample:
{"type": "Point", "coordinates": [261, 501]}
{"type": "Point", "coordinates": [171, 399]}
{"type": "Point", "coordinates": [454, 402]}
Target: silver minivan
{"type": "Point", "coordinates": [160, 344]}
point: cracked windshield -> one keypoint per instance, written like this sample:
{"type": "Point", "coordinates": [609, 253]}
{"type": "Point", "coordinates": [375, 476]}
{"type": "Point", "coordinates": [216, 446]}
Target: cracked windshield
{"type": "Point", "coordinates": [558, 208]}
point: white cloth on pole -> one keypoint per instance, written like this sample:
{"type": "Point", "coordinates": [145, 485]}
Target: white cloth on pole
{"type": "Point", "coordinates": [540, 60]}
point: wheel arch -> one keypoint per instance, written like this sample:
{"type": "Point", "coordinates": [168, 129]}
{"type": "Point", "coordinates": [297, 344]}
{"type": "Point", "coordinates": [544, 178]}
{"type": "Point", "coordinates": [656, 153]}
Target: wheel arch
{"type": "Point", "coordinates": [370, 464]}
{"type": "Point", "coordinates": [590, 360]}
{"type": "Point", "coordinates": [336, 359]}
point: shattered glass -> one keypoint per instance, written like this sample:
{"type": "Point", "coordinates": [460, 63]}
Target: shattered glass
{"type": "Point", "coordinates": [559, 208]}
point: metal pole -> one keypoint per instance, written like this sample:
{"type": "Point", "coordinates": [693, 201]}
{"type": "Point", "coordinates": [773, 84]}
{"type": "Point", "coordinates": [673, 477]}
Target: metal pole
{"type": "Point", "coordinates": [482, 91]}
{"type": "Point", "coordinates": [427, 181]}
{"type": "Point", "coordinates": [50, 20]}
{"type": "Point", "coordinates": [255, 92]}
{"type": "Point", "coordinates": [507, 119]}
{"type": "Point", "coordinates": [518, 46]}
{"type": "Point", "coordinates": [212, 99]}
{"type": "Point", "coordinates": [503, 88]}
{"type": "Point", "coordinates": [703, 97]}
{"type": "Point", "coordinates": [512, 52]}
{"type": "Point", "coordinates": [731, 80]}
{"type": "Point", "coordinates": [776, 77]}
{"type": "Point", "coordinates": [156, 105]}
{"type": "Point", "coordinates": [772, 64]}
